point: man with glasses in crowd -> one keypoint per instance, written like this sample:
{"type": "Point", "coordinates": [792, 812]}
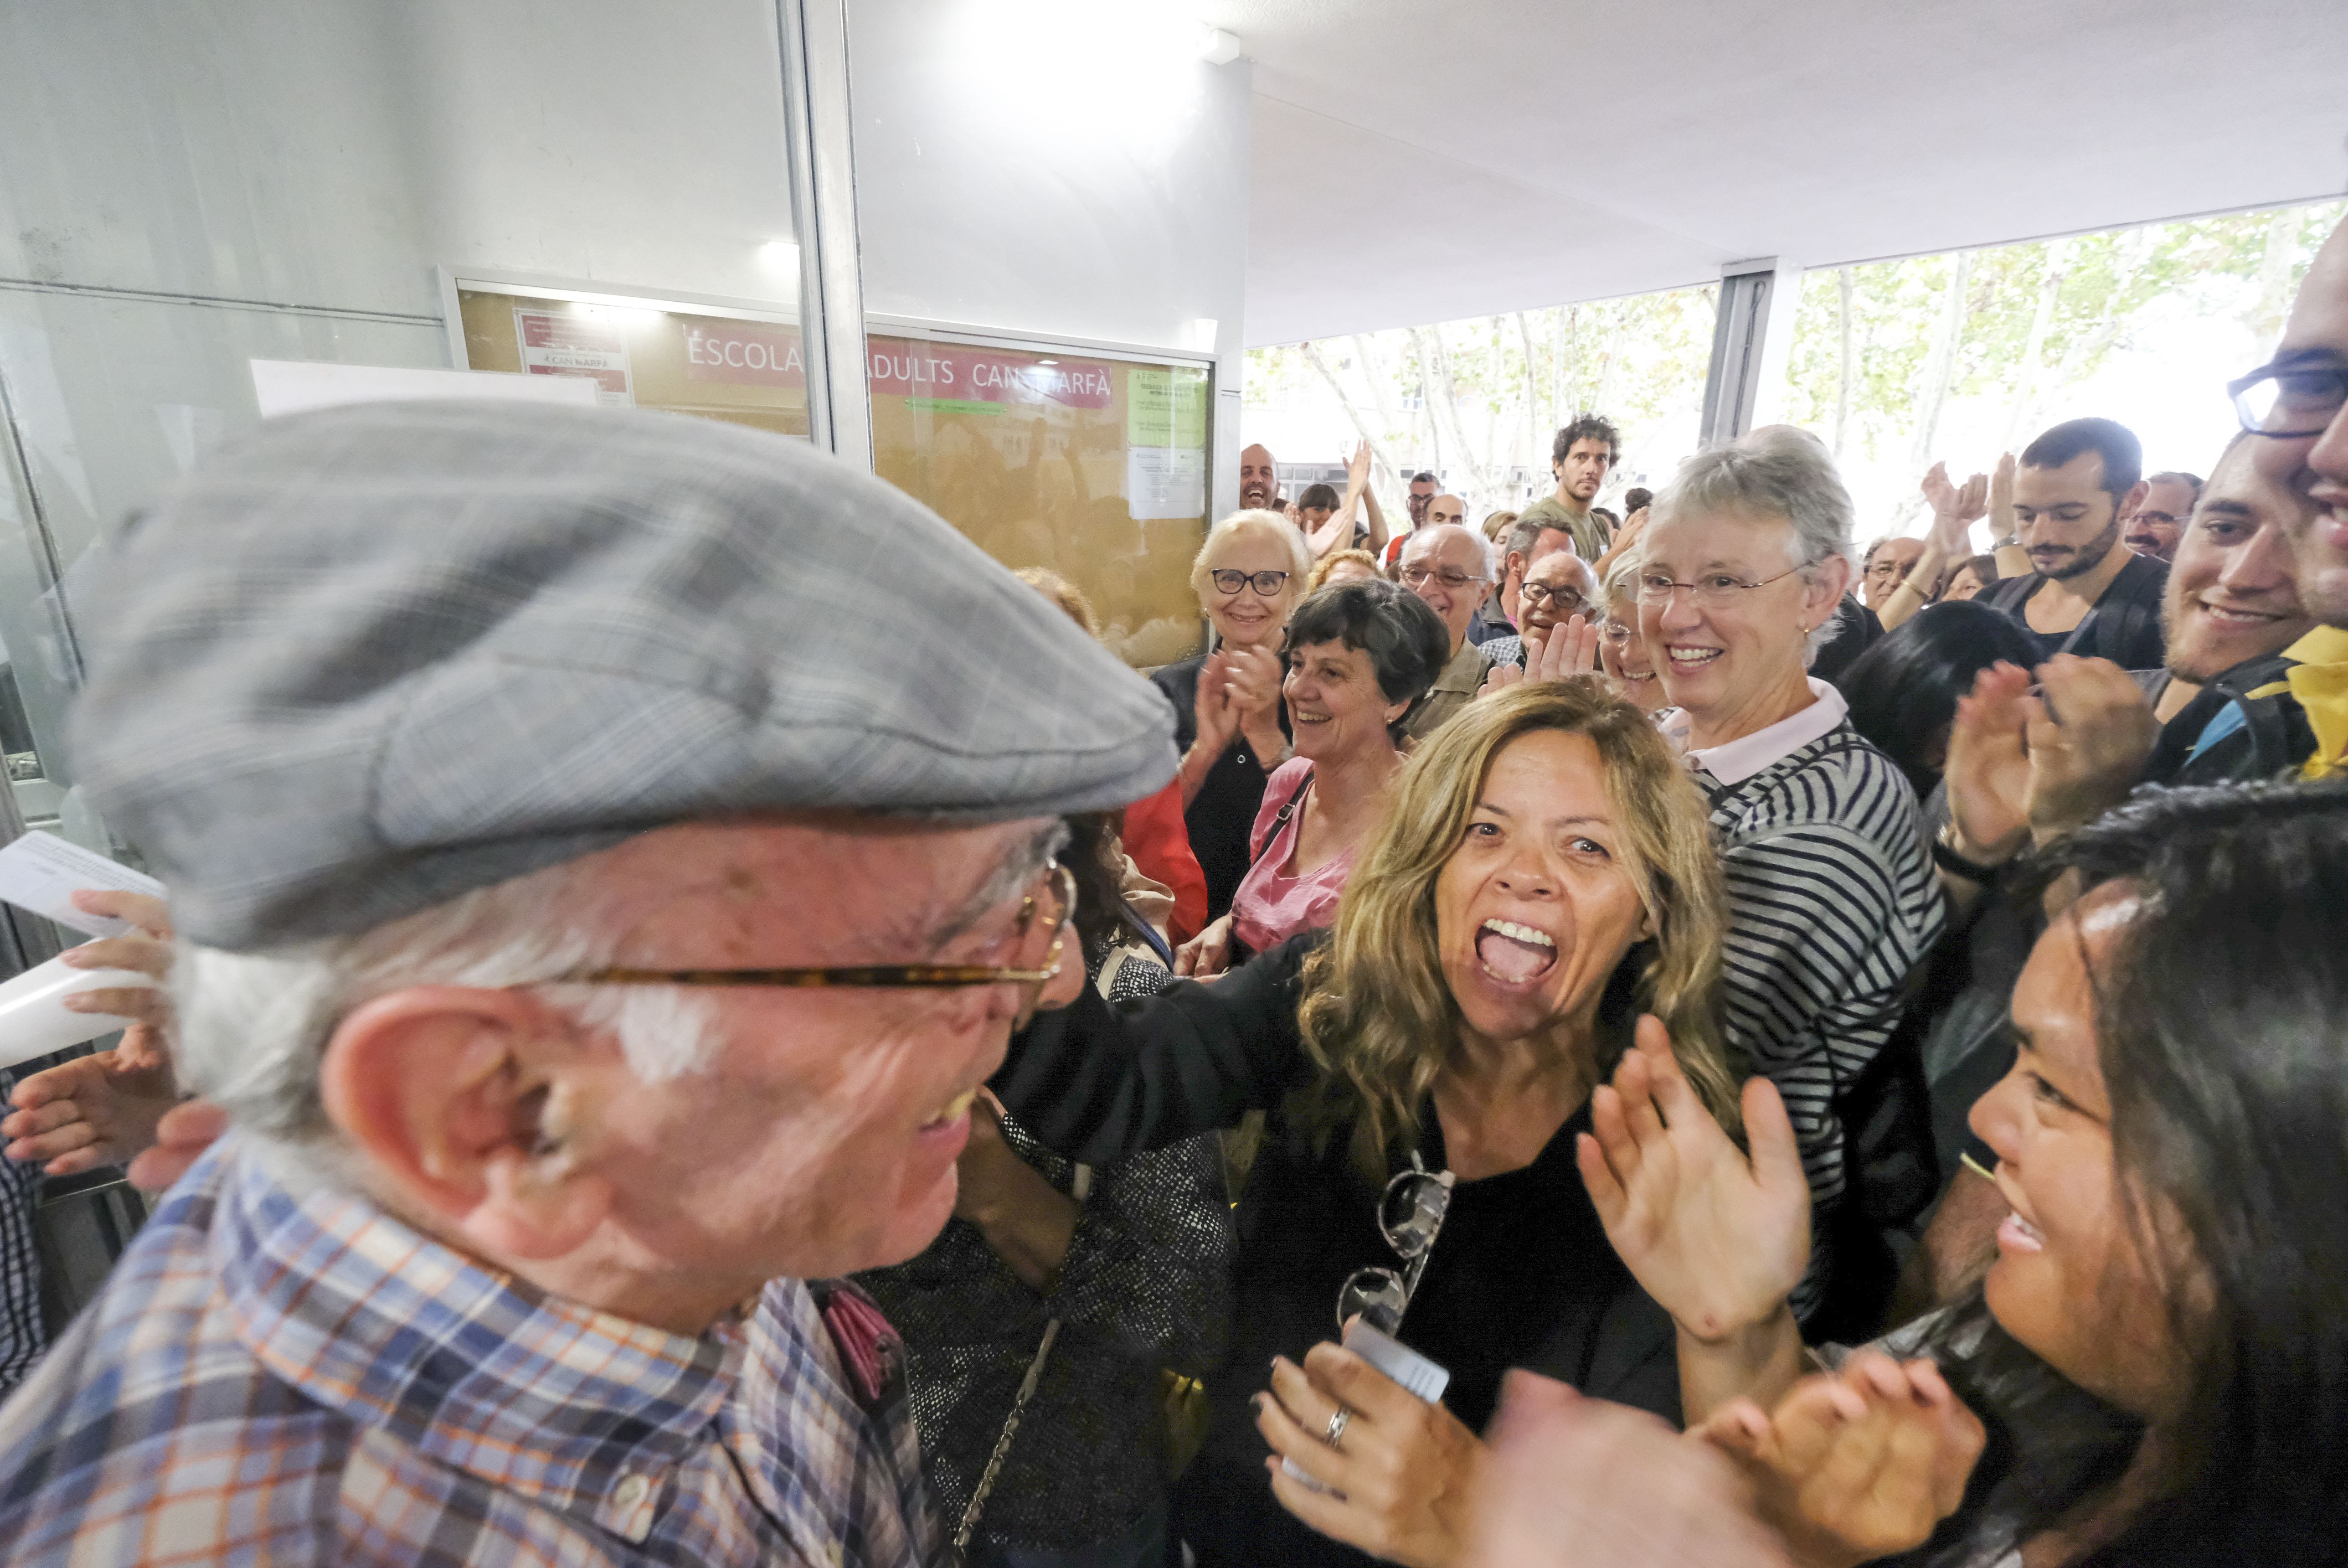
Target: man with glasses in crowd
{"type": "Point", "coordinates": [1450, 567]}
{"type": "Point", "coordinates": [595, 929]}
{"type": "Point", "coordinates": [2298, 405]}
{"type": "Point", "coordinates": [1558, 586]}
{"type": "Point", "coordinates": [2157, 522]}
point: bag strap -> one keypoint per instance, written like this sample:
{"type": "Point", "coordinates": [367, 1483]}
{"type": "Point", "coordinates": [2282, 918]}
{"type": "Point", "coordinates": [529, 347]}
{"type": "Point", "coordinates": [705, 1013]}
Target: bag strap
{"type": "Point", "coordinates": [1080, 1186]}
{"type": "Point", "coordinates": [1280, 819]}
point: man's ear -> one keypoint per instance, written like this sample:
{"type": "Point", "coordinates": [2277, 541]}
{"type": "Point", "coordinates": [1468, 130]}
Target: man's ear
{"type": "Point", "coordinates": [465, 1101]}
{"type": "Point", "coordinates": [2133, 498]}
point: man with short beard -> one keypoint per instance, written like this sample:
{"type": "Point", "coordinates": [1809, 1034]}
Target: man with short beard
{"type": "Point", "coordinates": [1259, 479]}
{"type": "Point", "coordinates": [2088, 594]}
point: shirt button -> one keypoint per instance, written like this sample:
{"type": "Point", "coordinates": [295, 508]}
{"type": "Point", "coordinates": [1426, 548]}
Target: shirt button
{"type": "Point", "coordinates": [629, 1496]}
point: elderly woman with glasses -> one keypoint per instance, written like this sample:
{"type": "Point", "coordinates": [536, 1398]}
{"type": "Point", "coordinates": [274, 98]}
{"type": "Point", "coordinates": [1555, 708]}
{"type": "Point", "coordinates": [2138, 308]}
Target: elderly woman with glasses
{"type": "Point", "coordinates": [1832, 895]}
{"type": "Point", "coordinates": [1544, 877]}
{"type": "Point", "coordinates": [1229, 719]}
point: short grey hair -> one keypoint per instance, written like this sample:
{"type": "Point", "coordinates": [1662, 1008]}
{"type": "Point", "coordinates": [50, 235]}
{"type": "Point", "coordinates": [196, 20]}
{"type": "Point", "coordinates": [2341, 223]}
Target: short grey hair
{"type": "Point", "coordinates": [1774, 472]}
{"type": "Point", "coordinates": [1623, 576]}
{"type": "Point", "coordinates": [252, 1027]}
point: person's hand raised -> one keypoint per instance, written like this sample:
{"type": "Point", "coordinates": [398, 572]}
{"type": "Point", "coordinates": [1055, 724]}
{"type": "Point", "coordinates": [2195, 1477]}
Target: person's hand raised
{"type": "Point", "coordinates": [2089, 738]}
{"type": "Point", "coordinates": [1500, 677]}
{"type": "Point", "coordinates": [1357, 466]}
{"type": "Point", "coordinates": [1717, 1239]}
{"type": "Point", "coordinates": [1566, 650]}
{"type": "Point", "coordinates": [1988, 771]}
{"type": "Point", "coordinates": [1252, 676]}
{"type": "Point", "coordinates": [1217, 721]}
{"type": "Point", "coordinates": [1856, 1465]}
{"type": "Point", "coordinates": [2000, 497]}
{"type": "Point", "coordinates": [1955, 509]}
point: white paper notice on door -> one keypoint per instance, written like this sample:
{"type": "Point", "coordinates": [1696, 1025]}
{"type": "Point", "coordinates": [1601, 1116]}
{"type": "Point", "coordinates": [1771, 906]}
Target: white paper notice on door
{"type": "Point", "coordinates": [563, 343]}
{"type": "Point", "coordinates": [1165, 482]}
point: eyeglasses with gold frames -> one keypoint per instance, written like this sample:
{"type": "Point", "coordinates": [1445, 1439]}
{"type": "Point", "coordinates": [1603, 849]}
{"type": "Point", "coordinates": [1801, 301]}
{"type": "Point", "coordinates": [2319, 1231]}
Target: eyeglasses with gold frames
{"type": "Point", "coordinates": [1030, 931]}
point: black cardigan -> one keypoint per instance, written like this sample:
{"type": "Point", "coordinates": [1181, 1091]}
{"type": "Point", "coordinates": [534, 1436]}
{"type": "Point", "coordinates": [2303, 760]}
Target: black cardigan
{"type": "Point", "coordinates": [1522, 1275]}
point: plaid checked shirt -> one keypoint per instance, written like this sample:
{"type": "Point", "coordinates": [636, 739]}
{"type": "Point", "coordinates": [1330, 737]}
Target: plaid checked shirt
{"type": "Point", "coordinates": [271, 1377]}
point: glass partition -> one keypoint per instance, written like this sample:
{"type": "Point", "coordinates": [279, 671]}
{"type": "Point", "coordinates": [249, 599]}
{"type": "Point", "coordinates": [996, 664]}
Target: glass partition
{"type": "Point", "coordinates": [1086, 461]}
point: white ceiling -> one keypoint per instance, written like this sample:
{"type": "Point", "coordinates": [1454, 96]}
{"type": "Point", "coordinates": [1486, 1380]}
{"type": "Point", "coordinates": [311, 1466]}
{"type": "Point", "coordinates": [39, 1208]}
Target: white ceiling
{"type": "Point", "coordinates": [1420, 160]}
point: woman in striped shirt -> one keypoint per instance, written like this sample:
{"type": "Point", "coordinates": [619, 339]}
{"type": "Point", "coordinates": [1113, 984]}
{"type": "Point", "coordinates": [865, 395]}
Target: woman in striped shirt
{"type": "Point", "coordinates": [1832, 895]}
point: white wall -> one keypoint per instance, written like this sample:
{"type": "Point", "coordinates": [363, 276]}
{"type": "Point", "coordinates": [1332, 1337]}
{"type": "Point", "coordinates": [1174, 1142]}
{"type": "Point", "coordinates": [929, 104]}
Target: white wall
{"type": "Point", "coordinates": [185, 187]}
{"type": "Point", "coordinates": [1054, 168]}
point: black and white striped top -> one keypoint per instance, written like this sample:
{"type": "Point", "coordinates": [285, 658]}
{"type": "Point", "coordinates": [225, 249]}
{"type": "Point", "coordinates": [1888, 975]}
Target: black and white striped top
{"type": "Point", "coordinates": [1832, 901]}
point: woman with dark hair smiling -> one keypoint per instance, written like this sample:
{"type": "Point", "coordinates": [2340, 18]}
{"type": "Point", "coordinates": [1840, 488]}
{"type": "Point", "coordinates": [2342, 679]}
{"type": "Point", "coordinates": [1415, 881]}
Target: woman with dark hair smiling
{"type": "Point", "coordinates": [2159, 1354]}
{"type": "Point", "coordinates": [1359, 656]}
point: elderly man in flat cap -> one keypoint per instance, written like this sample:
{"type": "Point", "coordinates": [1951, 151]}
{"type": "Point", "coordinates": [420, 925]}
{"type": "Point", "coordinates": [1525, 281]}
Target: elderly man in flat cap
{"type": "Point", "coordinates": [595, 927]}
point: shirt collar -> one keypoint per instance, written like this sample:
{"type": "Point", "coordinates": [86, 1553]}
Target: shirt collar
{"type": "Point", "coordinates": [396, 1331]}
{"type": "Point", "coordinates": [1734, 761]}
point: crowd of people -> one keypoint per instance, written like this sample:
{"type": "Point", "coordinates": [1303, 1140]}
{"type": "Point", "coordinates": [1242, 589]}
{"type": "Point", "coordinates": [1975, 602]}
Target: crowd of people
{"type": "Point", "coordinates": [1583, 1039]}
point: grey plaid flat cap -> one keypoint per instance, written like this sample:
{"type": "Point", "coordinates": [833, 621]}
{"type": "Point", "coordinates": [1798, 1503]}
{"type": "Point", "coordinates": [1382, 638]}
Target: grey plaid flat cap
{"type": "Point", "coordinates": [376, 657]}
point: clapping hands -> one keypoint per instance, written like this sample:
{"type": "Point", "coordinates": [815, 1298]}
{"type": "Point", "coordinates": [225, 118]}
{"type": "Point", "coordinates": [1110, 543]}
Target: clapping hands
{"type": "Point", "coordinates": [1718, 1239]}
{"type": "Point", "coordinates": [1855, 1465]}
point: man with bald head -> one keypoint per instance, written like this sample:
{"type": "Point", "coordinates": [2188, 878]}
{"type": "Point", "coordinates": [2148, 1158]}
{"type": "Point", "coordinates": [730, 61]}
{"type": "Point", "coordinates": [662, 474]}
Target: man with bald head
{"type": "Point", "coordinates": [597, 912]}
{"type": "Point", "coordinates": [2296, 405]}
{"type": "Point", "coordinates": [1259, 479]}
{"type": "Point", "coordinates": [1556, 588]}
{"type": "Point", "coordinates": [1449, 566]}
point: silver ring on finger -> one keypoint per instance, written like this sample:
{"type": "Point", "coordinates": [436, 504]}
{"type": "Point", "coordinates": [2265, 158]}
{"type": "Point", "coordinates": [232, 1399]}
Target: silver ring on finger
{"type": "Point", "coordinates": [1336, 1431]}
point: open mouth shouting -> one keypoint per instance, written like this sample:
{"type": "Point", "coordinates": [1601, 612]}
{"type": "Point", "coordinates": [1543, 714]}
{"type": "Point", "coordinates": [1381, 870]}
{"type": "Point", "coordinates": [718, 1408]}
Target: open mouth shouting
{"type": "Point", "coordinates": [1513, 954]}
{"type": "Point", "coordinates": [948, 1117]}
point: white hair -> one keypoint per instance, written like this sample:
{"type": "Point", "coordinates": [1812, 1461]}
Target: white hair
{"type": "Point", "coordinates": [253, 1027]}
{"type": "Point", "coordinates": [1254, 522]}
{"type": "Point", "coordinates": [1488, 563]}
{"type": "Point", "coordinates": [1776, 471]}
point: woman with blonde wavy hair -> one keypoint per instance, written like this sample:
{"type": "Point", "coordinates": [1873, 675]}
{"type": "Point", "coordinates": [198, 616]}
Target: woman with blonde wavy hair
{"type": "Point", "coordinates": [1432, 1067]}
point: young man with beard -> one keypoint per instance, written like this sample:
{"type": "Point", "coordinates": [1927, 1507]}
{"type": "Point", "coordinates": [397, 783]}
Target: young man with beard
{"type": "Point", "coordinates": [1583, 454]}
{"type": "Point", "coordinates": [2088, 595]}
{"type": "Point", "coordinates": [2232, 611]}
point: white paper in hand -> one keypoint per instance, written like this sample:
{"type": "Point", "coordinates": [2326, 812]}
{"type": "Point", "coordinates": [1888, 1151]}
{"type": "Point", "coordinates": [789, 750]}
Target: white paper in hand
{"type": "Point", "coordinates": [1396, 1360]}
{"type": "Point", "coordinates": [40, 871]}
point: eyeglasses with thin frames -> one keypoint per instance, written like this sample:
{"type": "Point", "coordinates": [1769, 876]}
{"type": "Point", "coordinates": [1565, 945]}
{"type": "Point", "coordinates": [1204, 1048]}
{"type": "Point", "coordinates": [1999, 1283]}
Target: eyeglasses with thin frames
{"type": "Point", "coordinates": [1410, 1213]}
{"type": "Point", "coordinates": [1416, 576]}
{"type": "Point", "coordinates": [2289, 403]}
{"type": "Point", "coordinates": [1718, 592]}
{"type": "Point", "coordinates": [1038, 943]}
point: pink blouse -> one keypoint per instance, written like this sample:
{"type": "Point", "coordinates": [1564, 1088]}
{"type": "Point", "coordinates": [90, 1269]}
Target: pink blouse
{"type": "Point", "coordinates": [1271, 905]}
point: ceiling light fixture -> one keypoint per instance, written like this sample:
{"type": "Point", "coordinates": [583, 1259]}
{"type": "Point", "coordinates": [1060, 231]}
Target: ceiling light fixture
{"type": "Point", "coordinates": [1218, 47]}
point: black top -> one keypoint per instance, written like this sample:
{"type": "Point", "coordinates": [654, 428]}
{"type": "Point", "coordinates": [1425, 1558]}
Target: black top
{"type": "Point", "coordinates": [2124, 626]}
{"type": "Point", "coordinates": [1220, 816]}
{"type": "Point", "coordinates": [1521, 1275]}
{"type": "Point", "coordinates": [1851, 631]}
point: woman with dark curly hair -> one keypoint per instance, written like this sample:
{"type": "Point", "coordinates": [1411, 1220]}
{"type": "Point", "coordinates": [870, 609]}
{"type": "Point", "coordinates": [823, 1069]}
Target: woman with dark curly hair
{"type": "Point", "coordinates": [1545, 876]}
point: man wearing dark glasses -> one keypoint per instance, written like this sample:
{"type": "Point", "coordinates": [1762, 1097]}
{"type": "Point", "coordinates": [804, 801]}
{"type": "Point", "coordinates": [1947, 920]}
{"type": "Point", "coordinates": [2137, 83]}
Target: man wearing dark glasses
{"type": "Point", "coordinates": [595, 930]}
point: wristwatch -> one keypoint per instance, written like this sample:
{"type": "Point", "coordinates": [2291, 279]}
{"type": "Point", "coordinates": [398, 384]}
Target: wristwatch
{"type": "Point", "coordinates": [1946, 856]}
